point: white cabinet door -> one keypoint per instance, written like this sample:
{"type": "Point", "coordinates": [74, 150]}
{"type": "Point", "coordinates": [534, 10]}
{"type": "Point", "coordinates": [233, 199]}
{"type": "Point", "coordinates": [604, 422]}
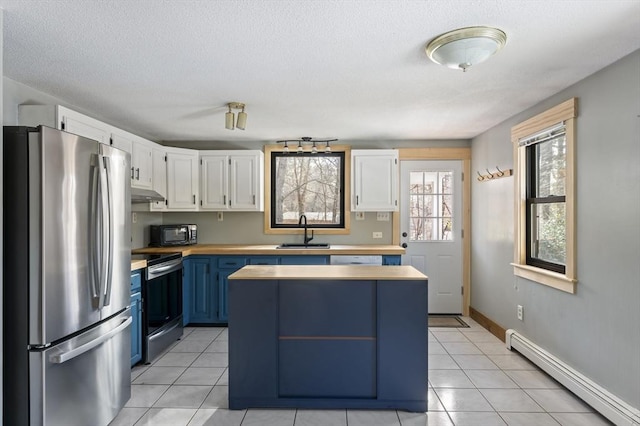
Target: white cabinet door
{"type": "Point", "coordinates": [142, 163]}
{"type": "Point", "coordinates": [159, 157]}
{"type": "Point", "coordinates": [245, 182]}
{"type": "Point", "coordinates": [374, 180]}
{"type": "Point", "coordinates": [62, 118]}
{"type": "Point", "coordinates": [214, 182]}
{"type": "Point", "coordinates": [80, 124]}
{"type": "Point", "coordinates": [182, 179]}
{"type": "Point", "coordinates": [125, 143]}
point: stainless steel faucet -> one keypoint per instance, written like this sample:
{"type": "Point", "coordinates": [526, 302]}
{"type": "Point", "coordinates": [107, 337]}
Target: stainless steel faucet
{"type": "Point", "coordinates": [306, 239]}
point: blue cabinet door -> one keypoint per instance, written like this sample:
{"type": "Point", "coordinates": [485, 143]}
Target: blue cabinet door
{"type": "Point", "coordinates": [202, 291]}
{"type": "Point", "coordinates": [136, 331]}
{"type": "Point", "coordinates": [391, 260]}
{"type": "Point", "coordinates": [304, 260]}
{"type": "Point", "coordinates": [223, 288]}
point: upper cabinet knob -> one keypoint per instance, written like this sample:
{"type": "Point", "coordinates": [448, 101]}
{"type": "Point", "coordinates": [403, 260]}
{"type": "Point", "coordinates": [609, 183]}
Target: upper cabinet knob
{"type": "Point", "coordinates": [404, 234]}
{"type": "Point", "coordinates": [404, 245]}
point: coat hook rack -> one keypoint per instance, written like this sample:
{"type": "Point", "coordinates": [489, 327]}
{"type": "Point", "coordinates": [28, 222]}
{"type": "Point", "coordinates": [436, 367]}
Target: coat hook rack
{"type": "Point", "coordinates": [494, 175]}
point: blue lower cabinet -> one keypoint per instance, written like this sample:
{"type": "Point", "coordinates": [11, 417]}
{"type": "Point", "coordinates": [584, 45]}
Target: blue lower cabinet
{"type": "Point", "coordinates": [136, 331]}
{"type": "Point", "coordinates": [304, 260]}
{"type": "Point", "coordinates": [223, 288]}
{"type": "Point", "coordinates": [202, 295]}
{"type": "Point", "coordinates": [389, 260]}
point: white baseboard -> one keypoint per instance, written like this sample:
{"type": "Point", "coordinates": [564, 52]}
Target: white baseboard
{"type": "Point", "coordinates": [603, 401]}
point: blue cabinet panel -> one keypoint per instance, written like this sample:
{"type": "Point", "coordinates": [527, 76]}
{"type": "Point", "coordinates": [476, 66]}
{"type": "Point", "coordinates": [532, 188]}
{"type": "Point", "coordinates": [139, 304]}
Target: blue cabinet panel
{"type": "Point", "coordinates": [264, 260]}
{"type": "Point", "coordinates": [328, 308]}
{"type": "Point", "coordinates": [304, 260]}
{"type": "Point", "coordinates": [136, 281]}
{"type": "Point", "coordinates": [223, 288]}
{"type": "Point", "coordinates": [327, 368]}
{"type": "Point", "coordinates": [391, 260]}
{"type": "Point", "coordinates": [136, 328]}
{"type": "Point", "coordinates": [231, 262]}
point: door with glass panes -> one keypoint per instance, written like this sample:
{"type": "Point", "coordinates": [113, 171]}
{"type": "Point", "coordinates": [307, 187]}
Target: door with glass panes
{"type": "Point", "coordinates": [431, 228]}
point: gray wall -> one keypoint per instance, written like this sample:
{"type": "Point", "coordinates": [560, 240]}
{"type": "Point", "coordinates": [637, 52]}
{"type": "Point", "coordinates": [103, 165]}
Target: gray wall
{"type": "Point", "coordinates": [597, 329]}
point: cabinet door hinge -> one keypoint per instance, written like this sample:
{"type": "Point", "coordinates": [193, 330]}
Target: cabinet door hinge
{"type": "Point", "coordinates": [229, 161]}
{"type": "Point", "coordinates": [462, 176]}
{"type": "Point", "coordinates": [62, 125]}
{"type": "Point", "coordinates": [461, 290]}
{"type": "Point", "coordinates": [395, 160]}
{"type": "Point", "coordinates": [166, 203]}
{"type": "Point", "coordinates": [110, 141]}
{"type": "Point", "coordinates": [462, 233]}
{"type": "Point", "coordinates": [201, 161]}
{"type": "Point", "coordinates": [165, 158]}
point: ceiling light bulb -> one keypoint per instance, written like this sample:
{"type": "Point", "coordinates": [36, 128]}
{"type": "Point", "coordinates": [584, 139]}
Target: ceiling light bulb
{"type": "Point", "coordinates": [327, 148]}
{"type": "Point", "coordinates": [286, 148]}
{"type": "Point", "coordinates": [314, 149]}
{"type": "Point", "coordinates": [228, 120]}
{"type": "Point", "coordinates": [299, 147]}
{"type": "Point", "coordinates": [242, 120]}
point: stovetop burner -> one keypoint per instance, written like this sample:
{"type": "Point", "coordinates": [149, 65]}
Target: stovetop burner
{"type": "Point", "coordinates": [155, 259]}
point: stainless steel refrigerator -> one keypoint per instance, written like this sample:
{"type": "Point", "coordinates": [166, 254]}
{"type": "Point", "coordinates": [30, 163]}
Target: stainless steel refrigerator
{"type": "Point", "coordinates": [67, 322]}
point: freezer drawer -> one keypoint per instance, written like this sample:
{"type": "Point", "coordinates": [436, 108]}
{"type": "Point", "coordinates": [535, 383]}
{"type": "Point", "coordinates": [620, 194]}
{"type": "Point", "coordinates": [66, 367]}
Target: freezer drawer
{"type": "Point", "coordinates": [83, 381]}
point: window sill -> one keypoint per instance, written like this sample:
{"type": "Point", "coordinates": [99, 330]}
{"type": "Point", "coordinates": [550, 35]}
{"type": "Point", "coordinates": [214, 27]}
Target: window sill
{"type": "Point", "coordinates": [542, 276]}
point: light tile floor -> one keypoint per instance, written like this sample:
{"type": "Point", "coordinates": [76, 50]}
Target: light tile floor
{"type": "Point", "coordinates": [473, 380]}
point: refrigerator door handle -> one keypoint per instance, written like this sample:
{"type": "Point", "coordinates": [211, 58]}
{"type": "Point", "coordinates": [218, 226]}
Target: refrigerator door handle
{"type": "Point", "coordinates": [110, 254]}
{"type": "Point", "coordinates": [75, 352]}
{"type": "Point", "coordinates": [93, 232]}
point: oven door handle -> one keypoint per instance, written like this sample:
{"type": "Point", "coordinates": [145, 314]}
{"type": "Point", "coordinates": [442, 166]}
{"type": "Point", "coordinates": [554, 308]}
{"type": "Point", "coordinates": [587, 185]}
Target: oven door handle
{"type": "Point", "coordinates": [158, 271]}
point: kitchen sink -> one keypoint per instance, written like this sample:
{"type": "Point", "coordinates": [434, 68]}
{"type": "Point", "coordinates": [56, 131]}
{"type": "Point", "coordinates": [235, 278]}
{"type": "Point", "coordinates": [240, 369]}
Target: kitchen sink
{"type": "Point", "coordinates": [304, 246]}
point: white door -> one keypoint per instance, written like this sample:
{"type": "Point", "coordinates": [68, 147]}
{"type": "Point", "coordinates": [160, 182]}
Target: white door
{"type": "Point", "coordinates": [244, 182]}
{"type": "Point", "coordinates": [431, 227]}
{"type": "Point", "coordinates": [214, 176]}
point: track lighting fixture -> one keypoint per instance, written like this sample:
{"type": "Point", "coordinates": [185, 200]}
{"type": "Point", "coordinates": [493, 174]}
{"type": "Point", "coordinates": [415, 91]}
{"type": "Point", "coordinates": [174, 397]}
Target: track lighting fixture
{"type": "Point", "coordinates": [307, 140]}
{"type": "Point", "coordinates": [229, 118]}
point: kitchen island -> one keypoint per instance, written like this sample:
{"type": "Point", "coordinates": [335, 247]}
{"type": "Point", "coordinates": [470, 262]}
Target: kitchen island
{"type": "Point", "coordinates": [328, 336]}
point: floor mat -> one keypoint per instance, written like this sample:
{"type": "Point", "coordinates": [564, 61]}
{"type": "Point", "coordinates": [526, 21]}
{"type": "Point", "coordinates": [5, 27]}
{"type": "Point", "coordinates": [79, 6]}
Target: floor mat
{"type": "Point", "coordinates": [446, 321]}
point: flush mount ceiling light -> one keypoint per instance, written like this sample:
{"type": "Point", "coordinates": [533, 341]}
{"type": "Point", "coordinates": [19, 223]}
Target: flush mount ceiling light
{"type": "Point", "coordinates": [462, 48]}
{"type": "Point", "coordinates": [229, 119]}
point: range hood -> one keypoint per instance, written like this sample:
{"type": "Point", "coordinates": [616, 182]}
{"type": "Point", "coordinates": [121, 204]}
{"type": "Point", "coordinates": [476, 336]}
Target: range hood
{"type": "Point", "coordinates": [144, 196]}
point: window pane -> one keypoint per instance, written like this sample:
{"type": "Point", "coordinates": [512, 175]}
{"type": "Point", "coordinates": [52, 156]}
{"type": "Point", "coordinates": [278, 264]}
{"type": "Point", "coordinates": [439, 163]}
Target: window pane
{"type": "Point", "coordinates": [548, 239]}
{"type": "Point", "coordinates": [431, 205]}
{"type": "Point", "coordinates": [310, 185]}
{"type": "Point", "coordinates": [551, 166]}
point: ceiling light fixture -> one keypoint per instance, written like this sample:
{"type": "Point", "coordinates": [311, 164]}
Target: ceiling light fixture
{"type": "Point", "coordinates": [229, 117]}
{"type": "Point", "coordinates": [307, 140]}
{"type": "Point", "coordinates": [464, 47]}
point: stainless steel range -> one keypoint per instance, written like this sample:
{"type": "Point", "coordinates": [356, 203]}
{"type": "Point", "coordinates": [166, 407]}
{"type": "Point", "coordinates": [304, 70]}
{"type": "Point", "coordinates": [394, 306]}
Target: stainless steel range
{"type": "Point", "coordinates": [161, 303]}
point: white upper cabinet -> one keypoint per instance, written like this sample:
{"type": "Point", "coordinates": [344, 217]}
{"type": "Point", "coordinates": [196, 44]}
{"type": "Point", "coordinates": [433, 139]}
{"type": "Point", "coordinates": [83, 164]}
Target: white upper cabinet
{"type": "Point", "coordinates": [374, 180]}
{"type": "Point", "coordinates": [142, 164]}
{"type": "Point", "coordinates": [232, 180]}
{"type": "Point", "coordinates": [182, 179]}
{"type": "Point", "coordinates": [62, 118]}
{"type": "Point", "coordinates": [159, 157]}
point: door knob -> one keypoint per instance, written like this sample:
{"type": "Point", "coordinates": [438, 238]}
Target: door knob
{"type": "Point", "coordinates": [404, 245]}
{"type": "Point", "coordinates": [404, 234]}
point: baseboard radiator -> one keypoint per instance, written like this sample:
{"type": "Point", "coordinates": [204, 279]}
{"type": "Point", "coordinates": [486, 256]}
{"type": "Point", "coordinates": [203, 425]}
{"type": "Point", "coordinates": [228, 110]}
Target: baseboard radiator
{"type": "Point", "coordinates": [607, 404]}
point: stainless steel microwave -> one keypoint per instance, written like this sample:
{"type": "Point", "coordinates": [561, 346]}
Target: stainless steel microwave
{"type": "Point", "coordinates": [172, 235]}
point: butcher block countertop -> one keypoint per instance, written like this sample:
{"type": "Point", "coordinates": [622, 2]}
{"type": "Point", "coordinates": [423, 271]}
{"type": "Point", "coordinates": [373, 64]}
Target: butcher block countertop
{"type": "Point", "coordinates": [138, 264]}
{"type": "Point", "coordinates": [327, 272]}
{"type": "Point", "coordinates": [265, 249]}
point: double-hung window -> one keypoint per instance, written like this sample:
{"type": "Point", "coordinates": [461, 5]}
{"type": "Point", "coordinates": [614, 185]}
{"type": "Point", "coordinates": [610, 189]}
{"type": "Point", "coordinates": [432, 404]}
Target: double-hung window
{"type": "Point", "coordinates": [545, 243]}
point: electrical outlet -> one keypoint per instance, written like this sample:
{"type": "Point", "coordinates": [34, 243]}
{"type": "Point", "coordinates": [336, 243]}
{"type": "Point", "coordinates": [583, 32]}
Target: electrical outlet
{"type": "Point", "coordinates": [220, 217]}
{"type": "Point", "coordinates": [520, 313]}
{"type": "Point", "coordinates": [377, 235]}
{"type": "Point", "coordinates": [383, 216]}
{"type": "Point", "coordinates": [359, 215]}
{"type": "Point", "coordinates": [134, 217]}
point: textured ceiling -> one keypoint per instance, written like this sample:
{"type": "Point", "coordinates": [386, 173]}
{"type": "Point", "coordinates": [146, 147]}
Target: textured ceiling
{"type": "Point", "coordinates": [353, 70]}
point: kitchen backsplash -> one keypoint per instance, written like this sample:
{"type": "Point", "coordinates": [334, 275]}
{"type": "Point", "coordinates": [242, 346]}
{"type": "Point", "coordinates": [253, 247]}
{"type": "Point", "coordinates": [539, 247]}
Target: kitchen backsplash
{"type": "Point", "coordinates": [248, 228]}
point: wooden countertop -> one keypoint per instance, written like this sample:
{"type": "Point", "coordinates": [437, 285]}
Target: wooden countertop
{"type": "Point", "coordinates": [327, 272]}
{"type": "Point", "coordinates": [138, 264]}
{"type": "Point", "coordinates": [265, 249]}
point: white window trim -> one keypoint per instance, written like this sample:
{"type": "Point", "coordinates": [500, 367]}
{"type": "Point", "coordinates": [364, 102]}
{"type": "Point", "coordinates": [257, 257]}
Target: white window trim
{"type": "Point", "coordinates": [565, 112]}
